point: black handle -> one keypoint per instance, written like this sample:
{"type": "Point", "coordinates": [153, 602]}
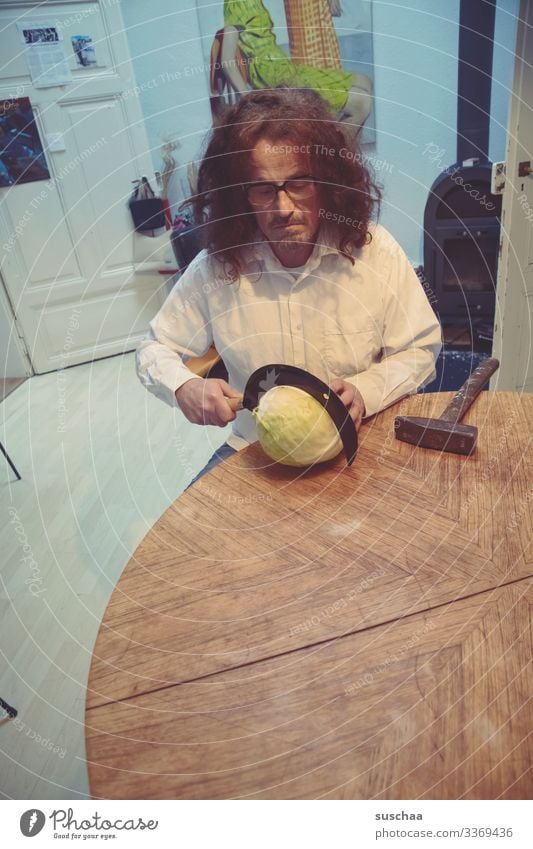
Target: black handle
{"type": "Point", "coordinates": [469, 391]}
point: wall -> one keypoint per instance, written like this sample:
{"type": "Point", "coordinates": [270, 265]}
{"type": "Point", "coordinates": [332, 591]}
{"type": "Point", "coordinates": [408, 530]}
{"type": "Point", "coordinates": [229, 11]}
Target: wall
{"type": "Point", "coordinates": [502, 75]}
{"type": "Point", "coordinates": [165, 47]}
{"type": "Point", "coordinates": [415, 55]}
{"type": "Point", "coordinates": [415, 64]}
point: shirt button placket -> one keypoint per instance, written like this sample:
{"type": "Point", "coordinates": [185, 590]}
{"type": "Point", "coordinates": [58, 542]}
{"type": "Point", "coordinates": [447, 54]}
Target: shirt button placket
{"type": "Point", "coordinates": [295, 317]}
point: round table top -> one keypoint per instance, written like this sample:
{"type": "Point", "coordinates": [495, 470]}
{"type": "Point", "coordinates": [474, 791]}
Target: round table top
{"type": "Point", "coordinates": [339, 632]}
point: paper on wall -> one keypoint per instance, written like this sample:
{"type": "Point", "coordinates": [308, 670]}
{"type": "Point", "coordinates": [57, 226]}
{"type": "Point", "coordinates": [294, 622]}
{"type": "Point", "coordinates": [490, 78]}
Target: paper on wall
{"type": "Point", "coordinates": [44, 53]}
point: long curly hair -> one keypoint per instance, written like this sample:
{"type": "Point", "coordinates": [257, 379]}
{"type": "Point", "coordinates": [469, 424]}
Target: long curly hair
{"type": "Point", "coordinates": [293, 117]}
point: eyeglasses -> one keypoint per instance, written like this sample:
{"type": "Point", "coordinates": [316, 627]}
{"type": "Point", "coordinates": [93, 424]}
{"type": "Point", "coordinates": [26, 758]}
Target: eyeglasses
{"type": "Point", "coordinates": [264, 194]}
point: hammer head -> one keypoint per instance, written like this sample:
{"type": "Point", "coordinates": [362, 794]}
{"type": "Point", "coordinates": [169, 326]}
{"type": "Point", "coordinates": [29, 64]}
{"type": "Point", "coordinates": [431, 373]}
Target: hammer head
{"type": "Point", "coordinates": [439, 434]}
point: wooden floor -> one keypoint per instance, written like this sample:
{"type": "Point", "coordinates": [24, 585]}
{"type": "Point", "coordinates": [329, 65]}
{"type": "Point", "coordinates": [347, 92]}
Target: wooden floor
{"type": "Point", "coordinates": [8, 385]}
{"type": "Point", "coordinates": [100, 460]}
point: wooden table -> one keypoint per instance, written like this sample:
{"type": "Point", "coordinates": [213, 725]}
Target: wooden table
{"type": "Point", "coordinates": [356, 632]}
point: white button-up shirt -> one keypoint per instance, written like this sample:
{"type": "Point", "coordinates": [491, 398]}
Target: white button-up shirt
{"type": "Point", "coordinates": [369, 323]}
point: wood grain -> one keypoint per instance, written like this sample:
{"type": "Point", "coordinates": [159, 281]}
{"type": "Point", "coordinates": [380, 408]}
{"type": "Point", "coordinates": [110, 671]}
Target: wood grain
{"type": "Point", "coordinates": [356, 632]}
{"type": "Point", "coordinates": [8, 385]}
{"type": "Point", "coordinates": [430, 707]}
{"type": "Point", "coordinates": [256, 559]}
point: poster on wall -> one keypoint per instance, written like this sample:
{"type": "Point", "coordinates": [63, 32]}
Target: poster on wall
{"type": "Point", "coordinates": [44, 52]}
{"type": "Point", "coordinates": [318, 44]}
{"type": "Point", "coordinates": [84, 51]}
{"type": "Point", "coordinates": [22, 157]}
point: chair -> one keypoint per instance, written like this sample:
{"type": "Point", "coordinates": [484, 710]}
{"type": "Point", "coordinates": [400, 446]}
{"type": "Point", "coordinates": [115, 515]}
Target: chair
{"type": "Point", "coordinates": [11, 711]}
{"type": "Point", "coordinates": [202, 366]}
{"type": "Point", "coordinates": [186, 244]}
{"type": "Point", "coordinates": [11, 464]}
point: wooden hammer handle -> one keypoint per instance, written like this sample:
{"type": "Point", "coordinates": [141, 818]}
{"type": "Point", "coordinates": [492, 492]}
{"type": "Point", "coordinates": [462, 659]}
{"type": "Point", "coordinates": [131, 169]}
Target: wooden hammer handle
{"type": "Point", "coordinates": [462, 399]}
{"type": "Point", "coordinates": [235, 404]}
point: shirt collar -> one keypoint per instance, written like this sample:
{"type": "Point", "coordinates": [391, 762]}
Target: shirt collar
{"type": "Point", "coordinates": [260, 250]}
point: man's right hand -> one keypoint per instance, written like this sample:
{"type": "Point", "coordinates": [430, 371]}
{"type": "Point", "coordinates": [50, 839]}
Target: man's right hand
{"type": "Point", "coordinates": [211, 401]}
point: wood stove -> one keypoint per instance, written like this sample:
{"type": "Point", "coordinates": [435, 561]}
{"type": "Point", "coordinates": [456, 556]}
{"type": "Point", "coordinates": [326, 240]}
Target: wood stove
{"type": "Point", "coordinates": [462, 217]}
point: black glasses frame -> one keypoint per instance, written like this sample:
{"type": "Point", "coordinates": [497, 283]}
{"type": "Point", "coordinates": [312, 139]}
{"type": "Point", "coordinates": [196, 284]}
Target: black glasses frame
{"type": "Point", "coordinates": [277, 187]}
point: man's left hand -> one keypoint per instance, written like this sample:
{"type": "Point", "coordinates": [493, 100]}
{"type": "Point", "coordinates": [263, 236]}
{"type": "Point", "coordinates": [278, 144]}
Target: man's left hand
{"type": "Point", "coordinates": [351, 398]}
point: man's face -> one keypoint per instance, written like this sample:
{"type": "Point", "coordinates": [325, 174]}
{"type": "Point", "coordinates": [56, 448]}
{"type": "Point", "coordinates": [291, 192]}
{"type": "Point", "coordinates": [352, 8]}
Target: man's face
{"type": "Point", "coordinates": [286, 223]}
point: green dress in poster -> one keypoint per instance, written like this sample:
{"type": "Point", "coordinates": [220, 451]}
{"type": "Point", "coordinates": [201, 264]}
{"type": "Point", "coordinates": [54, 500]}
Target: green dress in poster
{"type": "Point", "coordinates": [269, 66]}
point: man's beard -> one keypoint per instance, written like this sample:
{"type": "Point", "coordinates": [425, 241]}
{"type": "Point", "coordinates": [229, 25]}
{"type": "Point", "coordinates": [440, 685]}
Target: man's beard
{"type": "Point", "coordinates": [292, 238]}
{"type": "Point", "coordinates": [293, 241]}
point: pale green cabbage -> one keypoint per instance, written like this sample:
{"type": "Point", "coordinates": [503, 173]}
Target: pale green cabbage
{"type": "Point", "coordinates": [294, 428]}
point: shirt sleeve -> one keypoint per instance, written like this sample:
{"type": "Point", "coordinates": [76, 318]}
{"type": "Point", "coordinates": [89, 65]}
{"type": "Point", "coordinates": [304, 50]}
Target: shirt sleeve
{"type": "Point", "coordinates": [180, 330]}
{"type": "Point", "coordinates": [411, 337]}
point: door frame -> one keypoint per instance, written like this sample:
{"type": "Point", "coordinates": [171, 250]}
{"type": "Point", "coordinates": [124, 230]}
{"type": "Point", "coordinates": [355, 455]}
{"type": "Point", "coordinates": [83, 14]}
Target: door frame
{"type": "Point", "coordinates": [514, 309]}
{"type": "Point", "coordinates": [16, 339]}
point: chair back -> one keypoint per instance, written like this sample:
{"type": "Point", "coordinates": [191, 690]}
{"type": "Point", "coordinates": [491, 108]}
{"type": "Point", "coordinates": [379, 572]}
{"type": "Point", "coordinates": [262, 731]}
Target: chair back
{"type": "Point", "coordinates": [186, 244]}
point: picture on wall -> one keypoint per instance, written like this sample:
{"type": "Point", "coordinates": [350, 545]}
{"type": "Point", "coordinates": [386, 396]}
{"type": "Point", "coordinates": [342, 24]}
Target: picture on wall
{"type": "Point", "coordinates": [22, 157]}
{"type": "Point", "coordinates": [318, 44]}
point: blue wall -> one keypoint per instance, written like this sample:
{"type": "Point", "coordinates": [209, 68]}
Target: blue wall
{"type": "Point", "coordinates": [415, 63]}
{"type": "Point", "coordinates": [165, 48]}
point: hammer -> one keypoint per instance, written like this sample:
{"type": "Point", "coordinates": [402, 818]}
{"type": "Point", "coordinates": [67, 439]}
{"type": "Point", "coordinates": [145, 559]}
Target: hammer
{"type": "Point", "coordinates": [446, 434]}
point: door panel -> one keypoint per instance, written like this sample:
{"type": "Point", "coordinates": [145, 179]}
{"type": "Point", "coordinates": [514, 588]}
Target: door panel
{"type": "Point", "coordinates": [68, 332]}
{"type": "Point", "coordinates": [99, 192]}
{"type": "Point", "coordinates": [32, 207]}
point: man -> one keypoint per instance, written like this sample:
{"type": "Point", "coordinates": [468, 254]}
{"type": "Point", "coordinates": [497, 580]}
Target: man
{"type": "Point", "coordinates": [295, 272]}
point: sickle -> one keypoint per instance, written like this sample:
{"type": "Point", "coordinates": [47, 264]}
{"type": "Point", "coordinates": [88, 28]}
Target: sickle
{"type": "Point", "coordinates": [278, 374]}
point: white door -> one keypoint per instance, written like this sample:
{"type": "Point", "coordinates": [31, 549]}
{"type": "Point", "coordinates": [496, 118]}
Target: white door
{"type": "Point", "coordinates": [68, 243]}
{"type": "Point", "coordinates": [514, 308]}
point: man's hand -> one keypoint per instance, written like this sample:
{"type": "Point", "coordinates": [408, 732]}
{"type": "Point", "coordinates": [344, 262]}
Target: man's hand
{"type": "Point", "coordinates": [351, 398]}
{"type": "Point", "coordinates": [211, 401]}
